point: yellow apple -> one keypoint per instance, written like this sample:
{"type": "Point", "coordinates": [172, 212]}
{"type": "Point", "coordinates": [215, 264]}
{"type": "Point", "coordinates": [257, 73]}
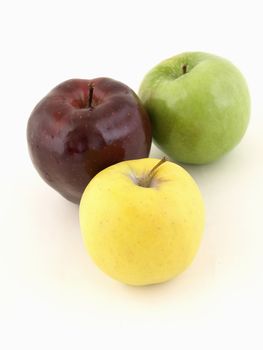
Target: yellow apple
{"type": "Point", "coordinates": [142, 220]}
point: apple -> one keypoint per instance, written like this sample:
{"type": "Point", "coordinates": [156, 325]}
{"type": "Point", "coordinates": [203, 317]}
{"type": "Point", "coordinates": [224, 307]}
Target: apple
{"type": "Point", "coordinates": [199, 106]}
{"type": "Point", "coordinates": [82, 127]}
{"type": "Point", "coordinates": [142, 220]}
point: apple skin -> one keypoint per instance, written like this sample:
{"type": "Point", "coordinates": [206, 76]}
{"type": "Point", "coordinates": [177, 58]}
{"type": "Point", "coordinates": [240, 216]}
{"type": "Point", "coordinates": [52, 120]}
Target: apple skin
{"type": "Point", "coordinates": [142, 235]}
{"type": "Point", "coordinates": [199, 106]}
{"type": "Point", "coordinates": [71, 139]}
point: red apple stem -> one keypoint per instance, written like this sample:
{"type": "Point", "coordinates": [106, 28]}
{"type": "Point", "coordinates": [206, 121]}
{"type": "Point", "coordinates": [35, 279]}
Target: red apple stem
{"type": "Point", "coordinates": [91, 89]}
{"type": "Point", "coordinates": [145, 181]}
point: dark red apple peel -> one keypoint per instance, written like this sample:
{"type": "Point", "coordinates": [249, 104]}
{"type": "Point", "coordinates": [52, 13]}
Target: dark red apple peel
{"type": "Point", "coordinates": [82, 127]}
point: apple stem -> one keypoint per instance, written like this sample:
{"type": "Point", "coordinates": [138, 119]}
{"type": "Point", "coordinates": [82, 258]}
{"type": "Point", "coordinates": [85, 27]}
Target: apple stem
{"type": "Point", "coordinates": [145, 181]}
{"type": "Point", "coordinates": [91, 89]}
{"type": "Point", "coordinates": [184, 68]}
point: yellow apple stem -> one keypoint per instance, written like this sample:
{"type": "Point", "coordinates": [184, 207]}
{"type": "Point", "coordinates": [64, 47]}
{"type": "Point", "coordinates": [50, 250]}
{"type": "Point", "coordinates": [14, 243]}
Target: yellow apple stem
{"type": "Point", "coordinates": [145, 180]}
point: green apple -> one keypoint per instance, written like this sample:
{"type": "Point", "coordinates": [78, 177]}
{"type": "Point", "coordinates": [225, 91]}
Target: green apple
{"type": "Point", "coordinates": [142, 220]}
{"type": "Point", "coordinates": [199, 106]}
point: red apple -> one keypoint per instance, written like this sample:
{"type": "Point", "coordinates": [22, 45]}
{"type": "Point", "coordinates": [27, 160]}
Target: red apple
{"type": "Point", "coordinates": [82, 127]}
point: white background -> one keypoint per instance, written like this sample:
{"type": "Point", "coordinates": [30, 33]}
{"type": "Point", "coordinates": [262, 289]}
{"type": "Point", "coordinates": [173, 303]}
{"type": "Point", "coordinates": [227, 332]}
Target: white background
{"type": "Point", "coordinates": [51, 294]}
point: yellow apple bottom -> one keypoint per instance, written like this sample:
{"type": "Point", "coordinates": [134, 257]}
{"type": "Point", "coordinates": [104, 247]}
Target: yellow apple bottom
{"type": "Point", "coordinates": [142, 235]}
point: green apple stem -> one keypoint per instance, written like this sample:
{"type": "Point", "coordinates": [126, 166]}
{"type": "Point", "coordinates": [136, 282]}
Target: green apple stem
{"type": "Point", "coordinates": [184, 68]}
{"type": "Point", "coordinates": [145, 180]}
{"type": "Point", "coordinates": [91, 89]}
